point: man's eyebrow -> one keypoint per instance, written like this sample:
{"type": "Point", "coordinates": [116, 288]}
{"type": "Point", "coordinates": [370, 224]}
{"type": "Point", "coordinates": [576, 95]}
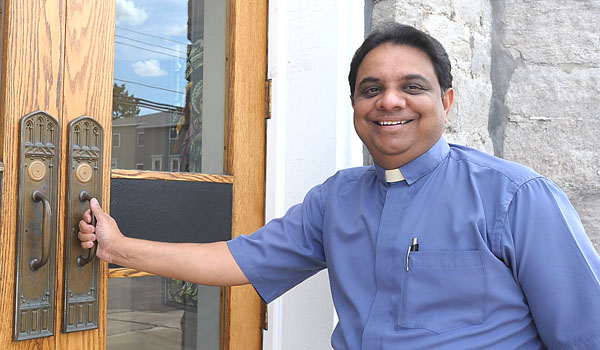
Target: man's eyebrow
{"type": "Point", "coordinates": [415, 76]}
{"type": "Point", "coordinates": [369, 80]}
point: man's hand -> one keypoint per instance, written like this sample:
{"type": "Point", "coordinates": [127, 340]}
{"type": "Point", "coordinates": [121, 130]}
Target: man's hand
{"type": "Point", "coordinates": [106, 231]}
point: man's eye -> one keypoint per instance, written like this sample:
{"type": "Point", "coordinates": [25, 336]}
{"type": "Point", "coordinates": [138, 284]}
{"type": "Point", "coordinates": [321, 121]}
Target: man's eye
{"type": "Point", "coordinates": [414, 89]}
{"type": "Point", "coordinates": [372, 91]}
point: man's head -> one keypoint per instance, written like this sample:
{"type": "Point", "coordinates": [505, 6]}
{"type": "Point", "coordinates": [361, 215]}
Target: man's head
{"type": "Point", "coordinates": [401, 94]}
{"type": "Point", "coordinates": [400, 34]}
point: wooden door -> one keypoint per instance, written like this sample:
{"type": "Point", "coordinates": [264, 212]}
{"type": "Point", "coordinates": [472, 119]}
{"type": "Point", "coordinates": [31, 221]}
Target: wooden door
{"type": "Point", "coordinates": [58, 58]}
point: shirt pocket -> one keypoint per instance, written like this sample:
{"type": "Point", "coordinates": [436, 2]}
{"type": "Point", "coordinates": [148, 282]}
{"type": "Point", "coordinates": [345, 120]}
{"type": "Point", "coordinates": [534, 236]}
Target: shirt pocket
{"type": "Point", "coordinates": [442, 291]}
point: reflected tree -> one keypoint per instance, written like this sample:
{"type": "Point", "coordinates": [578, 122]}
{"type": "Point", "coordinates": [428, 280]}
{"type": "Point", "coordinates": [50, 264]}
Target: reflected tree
{"type": "Point", "coordinates": [124, 104]}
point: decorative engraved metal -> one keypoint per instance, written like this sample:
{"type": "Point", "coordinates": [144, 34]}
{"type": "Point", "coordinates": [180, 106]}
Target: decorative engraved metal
{"type": "Point", "coordinates": [36, 227]}
{"type": "Point", "coordinates": [37, 170]}
{"type": "Point", "coordinates": [83, 173]}
{"type": "Point", "coordinates": [82, 268]}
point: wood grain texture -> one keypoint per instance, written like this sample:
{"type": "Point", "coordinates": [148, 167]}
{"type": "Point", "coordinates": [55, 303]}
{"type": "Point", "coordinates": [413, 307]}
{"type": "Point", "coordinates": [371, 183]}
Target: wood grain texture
{"type": "Point", "coordinates": [122, 272]}
{"type": "Point", "coordinates": [2, 82]}
{"type": "Point", "coordinates": [32, 73]}
{"type": "Point", "coordinates": [87, 90]}
{"type": "Point", "coordinates": [246, 160]}
{"type": "Point", "coordinates": [156, 175]}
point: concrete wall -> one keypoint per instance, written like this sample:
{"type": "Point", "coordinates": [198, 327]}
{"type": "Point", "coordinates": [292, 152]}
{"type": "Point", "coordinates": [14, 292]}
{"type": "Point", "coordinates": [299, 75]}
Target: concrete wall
{"type": "Point", "coordinates": [527, 77]}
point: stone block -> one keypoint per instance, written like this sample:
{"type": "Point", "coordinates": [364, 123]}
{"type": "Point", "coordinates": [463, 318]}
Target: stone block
{"type": "Point", "coordinates": [550, 31]}
{"type": "Point", "coordinates": [553, 124]}
{"type": "Point", "coordinates": [554, 93]}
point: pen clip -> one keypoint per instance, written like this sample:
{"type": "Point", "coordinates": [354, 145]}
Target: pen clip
{"type": "Point", "coordinates": [413, 247]}
{"type": "Point", "coordinates": [408, 256]}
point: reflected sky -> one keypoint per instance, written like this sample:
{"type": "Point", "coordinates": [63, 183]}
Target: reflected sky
{"type": "Point", "coordinates": [150, 49]}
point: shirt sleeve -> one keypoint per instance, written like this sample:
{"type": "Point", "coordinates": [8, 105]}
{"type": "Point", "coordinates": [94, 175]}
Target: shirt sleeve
{"type": "Point", "coordinates": [556, 265]}
{"type": "Point", "coordinates": [285, 251]}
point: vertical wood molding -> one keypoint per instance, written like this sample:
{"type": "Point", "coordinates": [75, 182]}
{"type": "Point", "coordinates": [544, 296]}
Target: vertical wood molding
{"type": "Point", "coordinates": [87, 90]}
{"type": "Point", "coordinates": [247, 74]}
{"type": "Point", "coordinates": [33, 64]}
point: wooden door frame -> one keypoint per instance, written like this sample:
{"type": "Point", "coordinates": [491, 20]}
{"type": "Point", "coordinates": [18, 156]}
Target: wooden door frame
{"type": "Point", "coordinates": [57, 70]}
{"type": "Point", "coordinates": [246, 108]}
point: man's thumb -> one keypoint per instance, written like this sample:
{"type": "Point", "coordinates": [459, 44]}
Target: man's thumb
{"type": "Point", "coordinates": [95, 206]}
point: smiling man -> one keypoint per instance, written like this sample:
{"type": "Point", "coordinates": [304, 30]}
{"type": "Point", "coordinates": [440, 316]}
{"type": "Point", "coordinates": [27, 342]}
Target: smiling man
{"type": "Point", "coordinates": [398, 112]}
{"type": "Point", "coordinates": [436, 246]}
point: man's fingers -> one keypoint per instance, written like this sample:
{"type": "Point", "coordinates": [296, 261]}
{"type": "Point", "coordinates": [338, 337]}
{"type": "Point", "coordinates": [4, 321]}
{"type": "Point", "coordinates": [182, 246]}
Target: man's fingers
{"type": "Point", "coordinates": [87, 217]}
{"type": "Point", "coordinates": [84, 225]}
{"type": "Point", "coordinates": [87, 239]}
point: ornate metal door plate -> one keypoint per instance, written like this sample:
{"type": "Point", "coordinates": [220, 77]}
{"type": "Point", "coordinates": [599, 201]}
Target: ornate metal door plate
{"type": "Point", "coordinates": [36, 226]}
{"type": "Point", "coordinates": [81, 266]}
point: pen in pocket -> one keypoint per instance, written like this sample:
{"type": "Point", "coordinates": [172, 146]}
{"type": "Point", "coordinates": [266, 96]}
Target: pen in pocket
{"type": "Point", "coordinates": [414, 247]}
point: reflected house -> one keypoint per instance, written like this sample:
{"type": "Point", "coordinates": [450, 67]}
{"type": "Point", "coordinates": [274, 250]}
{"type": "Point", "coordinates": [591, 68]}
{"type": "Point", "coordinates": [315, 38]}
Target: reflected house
{"type": "Point", "coordinates": [147, 142]}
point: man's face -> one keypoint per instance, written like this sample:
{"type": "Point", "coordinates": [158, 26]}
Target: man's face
{"type": "Point", "coordinates": [399, 111]}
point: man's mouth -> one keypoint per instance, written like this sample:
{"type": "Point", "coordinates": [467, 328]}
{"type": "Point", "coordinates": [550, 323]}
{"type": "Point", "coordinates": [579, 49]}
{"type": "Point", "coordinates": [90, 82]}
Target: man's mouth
{"type": "Point", "coordinates": [399, 122]}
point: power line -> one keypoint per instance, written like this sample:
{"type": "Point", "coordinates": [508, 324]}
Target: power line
{"type": "Point", "coordinates": [143, 48]}
{"type": "Point", "coordinates": [149, 44]}
{"type": "Point", "coordinates": [173, 109]}
{"type": "Point", "coordinates": [149, 86]}
{"type": "Point", "coordinates": [154, 36]}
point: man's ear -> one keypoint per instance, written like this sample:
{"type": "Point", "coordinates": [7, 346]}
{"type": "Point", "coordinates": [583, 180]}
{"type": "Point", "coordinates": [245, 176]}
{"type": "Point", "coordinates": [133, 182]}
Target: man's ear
{"type": "Point", "coordinates": [447, 100]}
{"type": "Point", "coordinates": [352, 100]}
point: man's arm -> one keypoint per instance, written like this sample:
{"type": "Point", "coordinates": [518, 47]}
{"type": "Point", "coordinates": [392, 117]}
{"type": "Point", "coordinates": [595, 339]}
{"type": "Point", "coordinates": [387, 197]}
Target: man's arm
{"type": "Point", "coordinates": [556, 265]}
{"type": "Point", "coordinates": [202, 263]}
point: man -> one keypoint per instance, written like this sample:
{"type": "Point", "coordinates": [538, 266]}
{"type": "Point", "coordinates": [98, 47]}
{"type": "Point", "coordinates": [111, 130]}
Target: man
{"type": "Point", "coordinates": [437, 246]}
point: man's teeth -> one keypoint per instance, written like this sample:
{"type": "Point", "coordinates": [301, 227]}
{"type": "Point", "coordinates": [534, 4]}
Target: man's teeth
{"type": "Point", "coordinates": [393, 123]}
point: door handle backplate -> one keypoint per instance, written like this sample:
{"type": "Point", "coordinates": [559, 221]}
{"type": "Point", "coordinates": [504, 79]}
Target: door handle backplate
{"type": "Point", "coordinates": [84, 181]}
{"type": "Point", "coordinates": [36, 226]}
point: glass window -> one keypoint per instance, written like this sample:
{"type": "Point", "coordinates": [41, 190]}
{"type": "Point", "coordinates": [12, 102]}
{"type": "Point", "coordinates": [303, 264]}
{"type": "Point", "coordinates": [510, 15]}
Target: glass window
{"type": "Point", "coordinates": [174, 163]}
{"type": "Point", "coordinates": [157, 162]}
{"type": "Point", "coordinates": [116, 141]}
{"type": "Point", "coordinates": [157, 313]}
{"type": "Point", "coordinates": [169, 82]}
{"type": "Point", "coordinates": [140, 139]}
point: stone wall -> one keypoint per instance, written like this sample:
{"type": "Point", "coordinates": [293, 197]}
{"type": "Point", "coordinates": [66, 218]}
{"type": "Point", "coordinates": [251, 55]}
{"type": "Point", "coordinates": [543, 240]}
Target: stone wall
{"type": "Point", "coordinates": [527, 78]}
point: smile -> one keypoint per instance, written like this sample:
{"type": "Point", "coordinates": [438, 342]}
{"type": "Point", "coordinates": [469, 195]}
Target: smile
{"type": "Point", "coordinates": [383, 123]}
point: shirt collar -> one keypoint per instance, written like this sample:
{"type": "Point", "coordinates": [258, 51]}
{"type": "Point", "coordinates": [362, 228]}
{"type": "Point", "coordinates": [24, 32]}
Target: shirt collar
{"type": "Point", "coordinates": [419, 167]}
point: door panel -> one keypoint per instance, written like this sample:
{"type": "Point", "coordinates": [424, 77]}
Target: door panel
{"type": "Point", "coordinates": [32, 81]}
{"type": "Point", "coordinates": [58, 58]}
{"type": "Point", "coordinates": [87, 91]}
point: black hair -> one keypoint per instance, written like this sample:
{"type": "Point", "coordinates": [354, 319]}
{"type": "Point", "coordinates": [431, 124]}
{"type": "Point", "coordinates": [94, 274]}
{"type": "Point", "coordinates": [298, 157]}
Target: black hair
{"type": "Point", "coordinates": [401, 34]}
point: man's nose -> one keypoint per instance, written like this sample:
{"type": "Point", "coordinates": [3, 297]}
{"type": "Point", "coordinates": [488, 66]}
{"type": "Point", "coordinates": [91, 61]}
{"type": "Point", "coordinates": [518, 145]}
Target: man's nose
{"type": "Point", "coordinates": [390, 100]}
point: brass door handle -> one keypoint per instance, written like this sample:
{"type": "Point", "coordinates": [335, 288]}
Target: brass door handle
{"type": "Point", "coordinates": [35, 263]}
{"type": "Point", "coordinates": [82, 260]}
{"type": "Point", "coordinates": [47, 236]}
{"type": "Point", "coordinates": [84, 181]}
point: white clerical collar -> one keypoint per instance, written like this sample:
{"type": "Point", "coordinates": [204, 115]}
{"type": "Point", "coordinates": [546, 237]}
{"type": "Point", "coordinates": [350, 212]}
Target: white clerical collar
{"type": "Point", "coordinates": [393, 175]}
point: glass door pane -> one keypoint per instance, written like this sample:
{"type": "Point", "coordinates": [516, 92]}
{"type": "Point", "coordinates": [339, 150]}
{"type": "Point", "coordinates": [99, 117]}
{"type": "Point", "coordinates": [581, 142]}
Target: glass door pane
{"type": "Point", "coordinates": [168, 115]}
{"type": "Point", "coordinates": [157, 313]}
{"type": "Point", "coordinates": [169, 85]}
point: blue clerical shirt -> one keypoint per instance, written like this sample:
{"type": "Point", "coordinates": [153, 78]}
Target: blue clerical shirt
{"type": "Point", "coordinates": [503, 260]}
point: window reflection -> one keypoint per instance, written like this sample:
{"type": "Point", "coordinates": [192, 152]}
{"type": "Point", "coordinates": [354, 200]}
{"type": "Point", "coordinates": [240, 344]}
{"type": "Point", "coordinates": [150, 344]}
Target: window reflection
{"type": "Point", "coordinates": [157, 313]}
{"type": "Point", "coordinates": [166, 52]}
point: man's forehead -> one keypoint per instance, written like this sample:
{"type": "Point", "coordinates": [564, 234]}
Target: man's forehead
{"type": "Point", "coordinates": [410, 62]}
